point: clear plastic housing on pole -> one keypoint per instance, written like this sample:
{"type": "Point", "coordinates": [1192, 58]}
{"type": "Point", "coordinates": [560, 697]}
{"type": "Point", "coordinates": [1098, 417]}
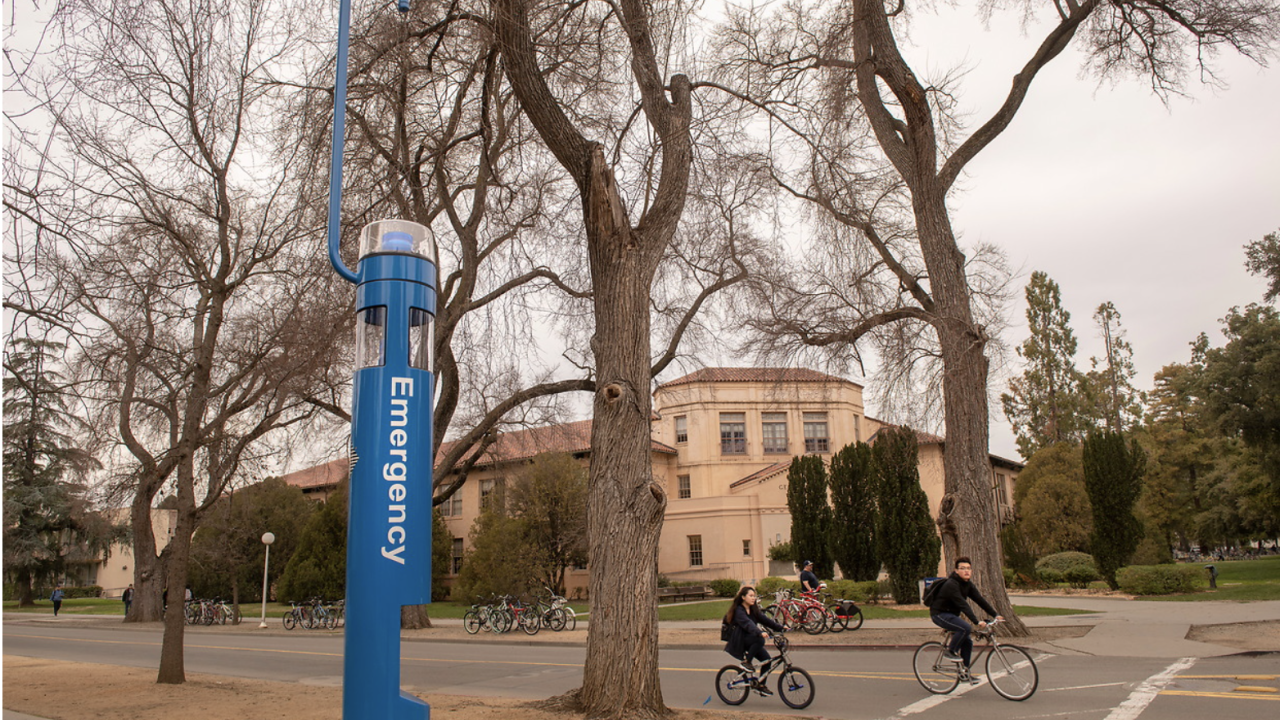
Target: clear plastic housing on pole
{"type": "Point", "coordinates": [397, 236]}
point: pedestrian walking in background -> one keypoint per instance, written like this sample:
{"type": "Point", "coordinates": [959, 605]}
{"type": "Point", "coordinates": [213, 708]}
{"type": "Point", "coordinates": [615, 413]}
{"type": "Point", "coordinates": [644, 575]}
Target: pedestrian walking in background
{"type": "Point", "coordinates": [56, 597]}
{"type": "Point", "coordinates": [127, 597]}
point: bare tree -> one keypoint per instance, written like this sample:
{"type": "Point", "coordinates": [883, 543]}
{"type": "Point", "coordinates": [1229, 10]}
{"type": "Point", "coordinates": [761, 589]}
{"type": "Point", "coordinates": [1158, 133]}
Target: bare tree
{"type": "Point", "coordinates": [885, 148]}
{"type": "Point", "coordinates": [625, 505]}
{"type": "Point", "coordinates": [187, 254]}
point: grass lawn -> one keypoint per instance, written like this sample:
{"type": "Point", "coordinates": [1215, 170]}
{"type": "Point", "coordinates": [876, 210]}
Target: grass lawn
{"type": "Point", "coordinates": [716, 609]}
{"type": "Point", "coordinates": [1239, 580]}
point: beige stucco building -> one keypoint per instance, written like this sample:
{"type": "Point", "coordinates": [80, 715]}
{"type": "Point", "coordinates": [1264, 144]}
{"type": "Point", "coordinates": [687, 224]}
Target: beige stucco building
{"type": "Point", "coordinates": [722, 442]}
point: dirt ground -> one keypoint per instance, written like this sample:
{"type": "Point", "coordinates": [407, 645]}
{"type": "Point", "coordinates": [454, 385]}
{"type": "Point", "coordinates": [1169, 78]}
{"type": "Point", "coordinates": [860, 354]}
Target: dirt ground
{"type": "Point", "coordinates": [64, 690]}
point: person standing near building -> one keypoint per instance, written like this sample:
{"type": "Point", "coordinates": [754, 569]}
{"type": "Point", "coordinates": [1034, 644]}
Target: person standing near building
{"type": "Point", "coordinates": [808, 580]}
{"type": "Point", "coordinates": [127, 597]}
{"type": "Point", "coordinates": [56, 597]}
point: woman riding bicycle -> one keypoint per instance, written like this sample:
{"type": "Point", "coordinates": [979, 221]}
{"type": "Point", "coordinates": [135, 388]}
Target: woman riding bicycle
{"type": "Point", "coordinates": [746, 642]}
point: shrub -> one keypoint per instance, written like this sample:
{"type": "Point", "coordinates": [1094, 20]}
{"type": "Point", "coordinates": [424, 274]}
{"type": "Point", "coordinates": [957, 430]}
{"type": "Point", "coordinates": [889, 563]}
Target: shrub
{"type": "Point", "coordinates": [725, 587]}
{"type": "Point", "coordinates": [1161, 579]}
{"type": "Point", "coordinates": [884, 589]}
{"type": "Point", "coordinates": [1064, 561]}
{"type": "Point", "coordinates": [782, 551]}
{"type": "Point", "coordinates": [1080, 575]}
{"type": "Point", "coordinates": [663, 580]}
{"type": "Point", "coordinates": [1010, 576]}
{"type": "Point", "coordinates": [1049, 575]}
{"type": "Point", "coordinates": [771, 584]}
{"type": "Point", "coordinates": [859, 592]}
{"type": "Point", "coordinates": [79, 591]}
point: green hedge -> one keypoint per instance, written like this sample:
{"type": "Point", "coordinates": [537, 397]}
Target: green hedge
{"type": "Point", "coordinates": [1161, 579]}
{"type": "Point", "coordinates": [859, 592]}
{"type": "Point", "coordinates": [1064, 561]}
{"type": "Point", "coordinates": [725, 587]}
{"type": "Point", "coordinates": [768, 586]}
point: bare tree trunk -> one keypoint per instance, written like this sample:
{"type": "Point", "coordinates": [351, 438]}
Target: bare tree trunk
{"type": "Point", "coordinates": [967, 518]}
{"type": "Point", "coordinates": [26, 597]}
{"type": "Point", "coordinates": [415, 617]}
{"type": "Point", "coordinates": [172, 658]}
{"type": "Point", "coordinates": [625, 506]}
{"type": "Point", "coordinates": [148, 578]}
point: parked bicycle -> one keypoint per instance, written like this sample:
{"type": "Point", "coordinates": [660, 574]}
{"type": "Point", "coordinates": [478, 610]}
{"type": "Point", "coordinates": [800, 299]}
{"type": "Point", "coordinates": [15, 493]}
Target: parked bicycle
{"type": "Point", "coordinates": [1009, 669]}
{"type": "Point", "coordinates": [791, 612]}
{"type": "Point", "coordinates": [735, 682]}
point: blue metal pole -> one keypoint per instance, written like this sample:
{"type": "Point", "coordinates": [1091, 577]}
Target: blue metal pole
{"type": "Point", "coordinates": [389, 497]}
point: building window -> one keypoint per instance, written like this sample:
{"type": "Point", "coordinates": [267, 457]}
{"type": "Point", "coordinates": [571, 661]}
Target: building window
{"type": "Point", "coordinates": [746, 548]}
{"type": "Point", "coordinates": [816, 439]}
{"type": "Point", "coordinates": [682, 429]}
{"type": "Point", "coordinates": [773, 429]}
{"type": "Point", "coordinates": [857, 429]}
{"type": "Point", "coordinates": [491, 494]}
{"type": "Point", "coordinates": [453, 506]}
{"type": "Point", "coordinates": [685, 489]}
{"type": "Point", "coordinates": [733, 433]}
{"type": "Point", "coordinates": [695, 551]}
{"type": "Point", "coordinates": [457, 555]}
{"type": "Point", "coordinates": [1002, 494]}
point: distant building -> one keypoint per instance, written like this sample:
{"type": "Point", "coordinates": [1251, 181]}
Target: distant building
{"type": "Point", "coordinates": [722, 442]}
{"type": "Point", "coordinates": [115, 572]}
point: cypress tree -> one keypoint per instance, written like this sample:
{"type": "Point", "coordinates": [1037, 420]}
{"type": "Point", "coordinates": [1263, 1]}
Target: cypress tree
{"type": "Point", "coordinates": [853, 513]}
{"type": "Point", "coordinates": [908, 543]}
{"type": "Point", "coordinates": [810, 514]}
{"type": "Point", "coordinates": [319, 565]}
{"type": "Point", "coordinates": [1113, 471]}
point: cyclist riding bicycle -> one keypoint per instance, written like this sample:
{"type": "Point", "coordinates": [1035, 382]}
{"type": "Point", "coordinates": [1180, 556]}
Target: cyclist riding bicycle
{"type": "Point", "coordinates": [746, 642]}
{"type": "Point", "coordinates": [951, 599]}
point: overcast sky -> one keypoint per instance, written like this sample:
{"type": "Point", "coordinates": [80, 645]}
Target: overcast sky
{"type": "Point", "coordinates": [1112, 193]}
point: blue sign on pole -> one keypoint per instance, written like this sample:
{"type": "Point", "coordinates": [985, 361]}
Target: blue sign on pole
{"type": "Point", "coordinates": [389, 500]}
{"type": "Point", "coordinates": [389, 526]}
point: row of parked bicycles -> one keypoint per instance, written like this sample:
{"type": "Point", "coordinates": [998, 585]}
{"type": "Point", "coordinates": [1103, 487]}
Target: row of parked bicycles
{"type": "Point", "coordinates": [207, 612]}
{"type": "Point", "coordinates": [316, 614]}
{"type": "Point", "coordinates": [813, 612]}
{"type": "Point", "coordinates": [503, 613]}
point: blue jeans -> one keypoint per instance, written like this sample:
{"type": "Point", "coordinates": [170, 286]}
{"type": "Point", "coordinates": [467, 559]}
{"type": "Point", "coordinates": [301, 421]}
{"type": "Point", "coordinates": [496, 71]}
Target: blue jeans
{"type": "Point", "coordinates": [961, 642]}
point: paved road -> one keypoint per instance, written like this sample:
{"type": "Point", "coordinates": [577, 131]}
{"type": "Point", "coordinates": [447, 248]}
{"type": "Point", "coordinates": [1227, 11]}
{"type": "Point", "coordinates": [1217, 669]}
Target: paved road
{"type": "Point", "coordinates": [852, 684]}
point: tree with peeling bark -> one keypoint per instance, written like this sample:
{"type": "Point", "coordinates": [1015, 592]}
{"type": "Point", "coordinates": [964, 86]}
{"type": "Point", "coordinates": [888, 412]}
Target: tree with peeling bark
{"type": "Point", "coordinates": [625, 504]}
{"type": "Point", "coordinates": [884, 157]}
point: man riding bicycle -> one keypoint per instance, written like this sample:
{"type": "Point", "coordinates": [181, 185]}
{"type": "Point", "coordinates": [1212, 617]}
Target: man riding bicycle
{"type": "Point", "coordinates": [949, 601]}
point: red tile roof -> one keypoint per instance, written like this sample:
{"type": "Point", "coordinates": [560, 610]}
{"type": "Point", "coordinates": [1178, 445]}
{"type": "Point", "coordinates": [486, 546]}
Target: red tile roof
{"type": "Point", "coordinates": [763, 473]}
{"type": "Point", "coordinates": [753, 374]}
{"type": "Point", "coordinates": [571, 438]}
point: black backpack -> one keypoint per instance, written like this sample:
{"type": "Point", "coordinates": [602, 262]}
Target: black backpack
{"type": "Point", "coordinates": [932, 590]}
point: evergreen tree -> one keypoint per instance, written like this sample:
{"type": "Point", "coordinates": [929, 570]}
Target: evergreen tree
{"type": "Point", "coordinates": [810, 514]}
{"type": "Point", "coordinates": [1262, 257]}
{"type": "Point", "coordinates": [550, 496]}
{"type": "Point", "coordinates": [1052, 503]}
{"type": "Point", "coordinates": [319, 566]}
{"type": "Point", "coordinates": [1043, 404]}
{"type": "Point", "coordinates": [498, 561]}
{"type": "Point", "coordinates": [853, 513]}
{"type": "Point", "coordinates": [227, 551]}
{"type": "Point", "coordinates": [48, 524]}
{"type": "Point", "coordinates": [908, 543]}
{"type": "Point", "coordinates": [1113, 472]}
{"type": "Point", "coordinates": [441, 555]}
{"type": "Point", "coordinates": [1116, 403]}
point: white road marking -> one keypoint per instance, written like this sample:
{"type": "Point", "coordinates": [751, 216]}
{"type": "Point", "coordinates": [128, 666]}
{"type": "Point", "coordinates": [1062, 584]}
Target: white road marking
{"type": "Point", "coordinates": [1083, 687]}
{"type": "Point", "coordinates": [1142, 696]}
{"type": "Point", "coordinates": [936, 700]}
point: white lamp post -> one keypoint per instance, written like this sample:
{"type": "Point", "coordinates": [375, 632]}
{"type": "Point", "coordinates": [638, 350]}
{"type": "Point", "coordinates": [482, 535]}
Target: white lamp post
{"type": "Point", "coordinates": [267, 539]}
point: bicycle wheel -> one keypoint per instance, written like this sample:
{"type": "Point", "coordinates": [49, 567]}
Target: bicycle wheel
{"type": "Point", "coordinates": [572, 622]}
{"type": "Point", "coordinates": [529, 622]}
{"type": "Point", "coordinates": [556, 619]}
{"type": "Point", "coordinates": [835, 623]}
{"type": "Point", "coordinates": [1012, 672]}
{"type": "Point", "coordinates": [936, 674]}
{"type": "Point", "coordinates": [290, 621]}
{"type": "Point", "coordinates": [795, 687]}
{"type": "Point", "coordinates": [732, 685]}
{"type": "Point", "coordinates": [814, 621]}
{"type": "Point", "coordinates": [500, 621]}
{"type": "Point", "coordinates": [471, 622]}
{"type": "Point", "coordinates": [853, 622]}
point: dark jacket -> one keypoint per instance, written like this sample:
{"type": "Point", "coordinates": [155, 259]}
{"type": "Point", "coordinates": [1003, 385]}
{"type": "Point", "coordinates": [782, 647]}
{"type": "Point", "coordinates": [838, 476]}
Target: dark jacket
{"type": "Point", "coordinates": [748, 629]}
{"type": "Point", "coordinates": [953, 597]}
{"type": "Point", "coordinates": [811, 577]}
